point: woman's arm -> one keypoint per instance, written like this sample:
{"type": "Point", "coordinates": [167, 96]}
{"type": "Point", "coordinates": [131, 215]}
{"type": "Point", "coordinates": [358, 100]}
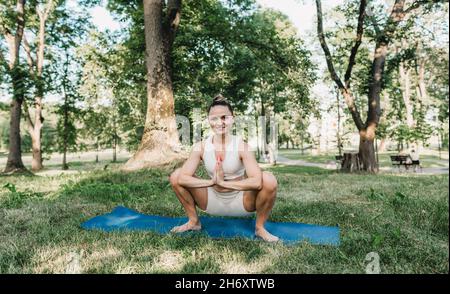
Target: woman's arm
{"type": "Point", "coordinates": [186, 178]}
{"type": "Point", "coordinates": [222, 189]}
{"type": "Point", "coordinates": [254, 174]}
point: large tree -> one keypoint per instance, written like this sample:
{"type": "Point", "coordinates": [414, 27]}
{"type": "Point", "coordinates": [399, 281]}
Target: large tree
{"type": "Point", "coordinates": [384, 36]}
{"type": "Point", "coordinates": [36, 69]}
{"type": "Point", "coordinates": [12, 23]}
{"type": "Point", "coordinates": [160, 143]}
{"type": "Point", "coordinates": [52, 25]}
{"type": "Point", "coordinates": [248, 54]}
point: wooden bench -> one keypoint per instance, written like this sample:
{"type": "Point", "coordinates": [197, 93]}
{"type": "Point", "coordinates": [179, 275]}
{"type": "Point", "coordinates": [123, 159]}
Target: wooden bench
{"type": "Point", "coordinates": [404, 160]}
{"type": "Point", "coordinates": [351, 162]}
{"type": "Point", "coordinates": [339, 159]}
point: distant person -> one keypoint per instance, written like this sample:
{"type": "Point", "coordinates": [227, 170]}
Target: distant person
{"type": "Point", "coordinates": [414, 157]}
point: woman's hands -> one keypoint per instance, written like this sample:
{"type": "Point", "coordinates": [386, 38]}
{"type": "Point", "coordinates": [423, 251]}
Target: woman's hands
{"type": "Point", "coordinates": [218, 180]}
{"type": "Point", "coordinates": [218, 177]}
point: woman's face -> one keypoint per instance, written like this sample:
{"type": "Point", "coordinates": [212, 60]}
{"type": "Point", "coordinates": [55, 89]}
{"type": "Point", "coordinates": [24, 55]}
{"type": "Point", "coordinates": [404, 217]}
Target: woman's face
{"type": "Point", "coordinates": [220, 119]}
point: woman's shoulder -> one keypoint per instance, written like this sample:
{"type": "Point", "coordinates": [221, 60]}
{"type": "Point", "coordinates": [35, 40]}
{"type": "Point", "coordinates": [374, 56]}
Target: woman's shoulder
{"type": "Point", "coordinates": [243, 145]}
{"type": "Point", "coordinates": [199, 146]}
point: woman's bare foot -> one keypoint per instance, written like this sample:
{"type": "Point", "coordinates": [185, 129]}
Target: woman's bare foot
{"type": "Point", "coordinates": [265, 235]}
{"type": "Point", "coordinates": [189, 226]}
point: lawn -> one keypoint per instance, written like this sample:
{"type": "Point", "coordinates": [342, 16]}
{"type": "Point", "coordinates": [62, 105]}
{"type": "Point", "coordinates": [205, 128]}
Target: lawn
{"type": "Point", "coordinates": [402, 218]}
{"type": "Point", "coordinates": [384, 158]}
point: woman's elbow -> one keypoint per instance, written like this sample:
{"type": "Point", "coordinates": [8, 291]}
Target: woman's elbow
{"type": "Point", "coordinates": [258, 183]}
{"type": "Point", "coordinates": [180, 180]}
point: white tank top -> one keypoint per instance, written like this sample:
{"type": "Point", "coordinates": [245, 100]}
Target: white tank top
{"type": "Point", "coordinates": [233, 166]}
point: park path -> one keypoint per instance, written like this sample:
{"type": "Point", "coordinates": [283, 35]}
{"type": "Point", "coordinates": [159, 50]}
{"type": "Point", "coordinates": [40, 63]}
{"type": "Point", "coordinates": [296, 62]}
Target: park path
{"type": "Point", "coordinates": [425, 171]}
{"type": "Point", "coordinates": [287, 161]}
{"type": "Point", "coordinates": [79, 162]}
{"type": "Point", "coordinates": [53, 166]}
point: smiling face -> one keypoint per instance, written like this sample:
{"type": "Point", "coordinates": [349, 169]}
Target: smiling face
{"type": "Point", "coordinates": [220, 119]}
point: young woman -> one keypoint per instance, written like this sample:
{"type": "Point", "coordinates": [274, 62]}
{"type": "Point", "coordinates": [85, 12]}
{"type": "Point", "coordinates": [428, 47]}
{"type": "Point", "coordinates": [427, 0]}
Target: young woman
{"type": "Point", "coordinates": [237, 186]}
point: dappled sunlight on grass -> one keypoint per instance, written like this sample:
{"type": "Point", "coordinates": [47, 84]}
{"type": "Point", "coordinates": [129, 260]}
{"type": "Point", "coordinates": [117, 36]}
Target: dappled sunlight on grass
{"type": "Point", "coordinates": [426, 160]}
{"type": "Point", "coordinates": [294, 169]}
{"type": "Point", "coordinates": [402, 217]}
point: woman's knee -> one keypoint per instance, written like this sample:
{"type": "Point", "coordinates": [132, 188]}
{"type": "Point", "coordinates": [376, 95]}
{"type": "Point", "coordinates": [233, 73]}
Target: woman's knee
{"type": "Point", "coordinates": [173, 178]}
{"type": "Point", "coordinates": [270, 183]}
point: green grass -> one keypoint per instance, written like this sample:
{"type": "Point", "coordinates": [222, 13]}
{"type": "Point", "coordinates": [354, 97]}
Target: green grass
{"type": "Point", "coordinates": [403, 218]}
{"type": "Point", "coordinates": [384, 158]}
{"type": "Point", "coordinates": [297, 155]}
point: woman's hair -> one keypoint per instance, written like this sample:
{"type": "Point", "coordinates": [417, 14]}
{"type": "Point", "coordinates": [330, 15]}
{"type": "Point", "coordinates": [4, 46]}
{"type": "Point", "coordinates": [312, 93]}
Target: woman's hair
{"type": "Point", "coordinates": [220, 100]}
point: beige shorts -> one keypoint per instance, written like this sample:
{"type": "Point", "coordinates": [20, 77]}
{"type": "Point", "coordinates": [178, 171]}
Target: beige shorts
{"type": "Point", "coordinates": [226, 203]}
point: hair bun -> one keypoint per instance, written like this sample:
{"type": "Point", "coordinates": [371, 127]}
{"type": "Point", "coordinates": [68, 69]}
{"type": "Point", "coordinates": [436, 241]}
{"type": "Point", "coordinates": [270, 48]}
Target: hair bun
{"type": "Point", "coordinates": [219, 98]}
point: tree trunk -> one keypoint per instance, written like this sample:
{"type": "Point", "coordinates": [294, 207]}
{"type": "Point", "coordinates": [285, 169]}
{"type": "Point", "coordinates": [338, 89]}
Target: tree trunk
{"type": "Point", "coordinates": [160, 141]}
{"type": "Point", "coordinates": [405, 83]}
{"type": "Point", "coordinates": [338, 132]}
{"type": "Point", "coordinates": [367, 135]}
{"type": "Point", "coordinates": [263, 131]}
{"type": "Point", "coordinates": [35, 131]}
{"type": "Point", "coordinates": [114, 149]}
{"type": "Point", "coordinates": [382, 146]}
{"type": "Point", "coordinates": [439, 144]}
{"type": "Point", "coordinates": [302, 149]}
{"type": "Point", "coordinates": [367, 155]}
{"type": "Point", "coordinates": [98, 149]}
{"type": "Point", "coordinates": [421, 90]}
{"type": "Point", "coordinates": [421, 85]}
{"type": "Point", "coordinates": [65, 166]}
{"type": "Point", "coordinates": [273, 138]}
{"type": "Point", "coordinates": [258, 147]}
{"type": "Point", "coordinates": [350, 162]}
{"type": "Point", "coordinates": [14, 162]}
{"type": "Point", "coordinates": [36, 164]}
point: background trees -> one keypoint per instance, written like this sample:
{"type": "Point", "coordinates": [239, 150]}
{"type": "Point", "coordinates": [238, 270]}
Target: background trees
{"type": "Point", "coordinates": [254, 56]}
{"type": "Point", "coordinates": [38, 29]}
{"type": "Point", "coordinates": [384, 30]}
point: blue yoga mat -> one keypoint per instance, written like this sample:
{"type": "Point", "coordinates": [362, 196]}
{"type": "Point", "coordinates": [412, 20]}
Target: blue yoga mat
{"type": "Point", "coordinates": [125, 219]}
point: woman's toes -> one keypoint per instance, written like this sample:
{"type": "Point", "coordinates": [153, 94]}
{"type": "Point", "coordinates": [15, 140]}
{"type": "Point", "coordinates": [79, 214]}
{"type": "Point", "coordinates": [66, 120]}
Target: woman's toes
{"type": "Point", "coordinates": [266, 236]}
{"type": "Point", "coordinates": [186, 227]}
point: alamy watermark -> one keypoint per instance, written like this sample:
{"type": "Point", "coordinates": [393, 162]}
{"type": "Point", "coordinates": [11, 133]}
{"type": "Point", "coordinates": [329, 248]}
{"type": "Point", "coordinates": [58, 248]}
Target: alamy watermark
{"type": "Point", "coordinates": [73, 265]}
{"type": "Point", "coordinates": [261, 132]}
{"type": "Point", "coordinates": [373, 265]}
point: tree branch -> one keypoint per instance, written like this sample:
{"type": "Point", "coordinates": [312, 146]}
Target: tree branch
{"type": "Point", "coordinates": [324, 46]}
{"type": "Point", "coordinates": [9, 39]}
{"type": "Point", "coordinates": [377, 72]}
{"type": "Point", "coordinates": [20, 22]}
{"type": "Point", "coordinates": [2, 59]}
{"type": "Point", "coordinates": [349, 99]}
{"type": "Point", "coordinates": [375, 25]}
{"type": "Point", "coordinates": [4, 31]}
{"type": "Point", "coordinates": [418, 3]}
{"type": "Point", "coordinates": [27, 48]}
{"type": "Point", "coordinates": [28, 117]}
{"type": "Point", "coordinates": [173, 18]}
{"type": "Point", "coordinates": [354, 51]}
{"type": "Point", "coordinates": [43, 15]}
{"type": "Point", "coordinates": [396, 16]}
